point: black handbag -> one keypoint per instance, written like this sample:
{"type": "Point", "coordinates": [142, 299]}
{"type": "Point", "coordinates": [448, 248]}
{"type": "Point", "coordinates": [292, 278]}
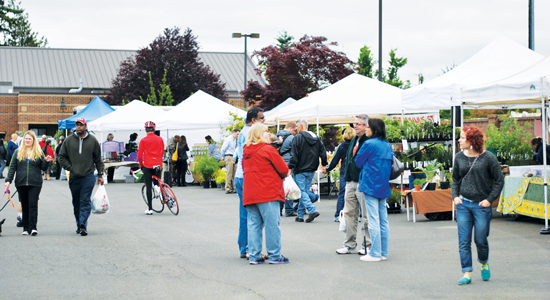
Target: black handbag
{"type": "Point", "coordinates": [397, 168]}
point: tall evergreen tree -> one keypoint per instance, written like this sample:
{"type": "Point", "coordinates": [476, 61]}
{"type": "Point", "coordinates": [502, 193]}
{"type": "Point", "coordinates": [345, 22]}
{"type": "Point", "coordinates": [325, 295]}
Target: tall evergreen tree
{"type": "Point", "coordinates": [16, 28]}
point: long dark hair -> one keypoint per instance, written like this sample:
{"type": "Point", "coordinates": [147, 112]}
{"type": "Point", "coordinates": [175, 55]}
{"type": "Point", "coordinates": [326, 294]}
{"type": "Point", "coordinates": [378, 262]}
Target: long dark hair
{"type": "Point", "coordinates": [183, 139]}
{"type": "Point", "coordinates": [378, 128]}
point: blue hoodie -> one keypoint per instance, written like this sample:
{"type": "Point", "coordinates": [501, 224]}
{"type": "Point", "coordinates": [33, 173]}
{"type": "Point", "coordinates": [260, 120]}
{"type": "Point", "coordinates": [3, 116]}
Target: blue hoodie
{"type": "Point", "coordinates": [375, 158]}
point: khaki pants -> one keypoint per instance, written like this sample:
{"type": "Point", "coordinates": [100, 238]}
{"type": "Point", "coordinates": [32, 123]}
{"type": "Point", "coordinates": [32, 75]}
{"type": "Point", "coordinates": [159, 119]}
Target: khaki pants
{"type": "Point", "coordinates": [353, 200]}
{"type": "Point", "coordinates": [230, 178]}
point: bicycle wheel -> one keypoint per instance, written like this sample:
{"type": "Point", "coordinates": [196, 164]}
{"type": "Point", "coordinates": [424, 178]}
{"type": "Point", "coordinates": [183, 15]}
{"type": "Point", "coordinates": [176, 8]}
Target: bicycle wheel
{"type": "Point", "coordinates": [156, 203]}
{"type": "Point", "coordinates": [170, 199]}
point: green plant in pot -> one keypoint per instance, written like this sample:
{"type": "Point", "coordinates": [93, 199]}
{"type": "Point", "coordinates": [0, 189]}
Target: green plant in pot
{"type": "Point", "coordinates": [444, 184]}
{"type": "Point", "coordinates": [206, 166]}
{"type": "Point", "coordinates": [417, 184]}
{"type": "Point", "coordinates": [431, 170]}
{"type": "Point", "coordinates": [394, 201]}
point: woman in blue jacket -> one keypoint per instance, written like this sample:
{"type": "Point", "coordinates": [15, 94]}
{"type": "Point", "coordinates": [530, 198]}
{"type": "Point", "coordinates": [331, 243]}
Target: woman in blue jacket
{"type": "Point", "coordinates": [26, 165]}
{"type": "Point", "coordinates": [375, 159]}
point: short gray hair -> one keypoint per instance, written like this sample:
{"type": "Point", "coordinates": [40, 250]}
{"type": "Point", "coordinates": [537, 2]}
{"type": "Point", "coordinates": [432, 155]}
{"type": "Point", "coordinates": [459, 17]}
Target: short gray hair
{"type": "Point", "coordinates": [363, 118]}
{"type": "Point", "coordinates": [302, 122]}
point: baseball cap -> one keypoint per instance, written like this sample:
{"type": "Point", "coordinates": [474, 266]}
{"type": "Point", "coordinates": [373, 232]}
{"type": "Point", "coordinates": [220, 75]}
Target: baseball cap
{"type": "Point", "coordinates": [82, 120]}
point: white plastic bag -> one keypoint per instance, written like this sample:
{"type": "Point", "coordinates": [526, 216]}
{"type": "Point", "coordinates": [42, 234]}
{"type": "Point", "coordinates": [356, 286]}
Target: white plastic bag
{"type": "Point", "coordinates": [100, 202]}
{"type": "Point", "coordinates": [342, 218]}
{"type": "Point", "coordinates": [292, 191]}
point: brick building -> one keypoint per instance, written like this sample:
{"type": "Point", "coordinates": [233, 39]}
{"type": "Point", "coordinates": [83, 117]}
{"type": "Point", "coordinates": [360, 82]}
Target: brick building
{"type": "Point", "coordinates": [35, 82]}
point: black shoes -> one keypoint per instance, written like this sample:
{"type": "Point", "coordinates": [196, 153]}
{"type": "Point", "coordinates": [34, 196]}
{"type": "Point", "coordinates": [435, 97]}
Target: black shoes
{"type": "Point", "coordinates": [312, 217]}
{"type": "Point", "coordinates": [78, 230]}
{"type": "Point", "coordinates": [298, 219]}
{"type": "Point", "coordinates": [83, 231]}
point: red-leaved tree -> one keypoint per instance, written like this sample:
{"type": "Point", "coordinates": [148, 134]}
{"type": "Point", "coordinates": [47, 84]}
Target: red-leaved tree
{"type": "Point", "coordinates": [178, 55]}
{"type": "Point", "coordinates": [296, 69]}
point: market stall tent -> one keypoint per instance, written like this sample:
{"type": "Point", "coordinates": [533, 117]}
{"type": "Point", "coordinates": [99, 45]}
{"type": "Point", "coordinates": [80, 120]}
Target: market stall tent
{"type": "Point", "coordinates": [501, 58]}
{"type": "Point", "coordinates": [131, 116]}
{"type": "Point", "coordinates": [524, 89]}
{"type": "Point", "coordinates": [94, 110]}
{"type": "Point", "coordinates": [273, 114]}
{"type": "Point", "coordinates": [198, 116]}
{"type": "Point", "coordinates": [343, 100]}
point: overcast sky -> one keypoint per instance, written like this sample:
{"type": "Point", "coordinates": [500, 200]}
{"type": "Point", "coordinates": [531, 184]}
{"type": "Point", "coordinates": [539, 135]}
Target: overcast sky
{"type": "Point", "coordinates": [431, 34]}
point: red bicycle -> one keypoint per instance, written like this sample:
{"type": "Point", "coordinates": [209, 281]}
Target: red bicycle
{"type": "Point", "coordinates": [164, 194]}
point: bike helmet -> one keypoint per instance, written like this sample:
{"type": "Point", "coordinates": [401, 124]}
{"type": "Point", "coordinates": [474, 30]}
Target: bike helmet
{"type": "Point", "coordinates": [150, 124]}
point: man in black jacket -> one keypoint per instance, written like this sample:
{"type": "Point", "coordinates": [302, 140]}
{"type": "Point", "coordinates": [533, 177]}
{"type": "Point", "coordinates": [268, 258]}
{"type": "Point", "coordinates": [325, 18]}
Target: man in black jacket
{"type": "Point", "coordinates": [306, 150]}
{"type": "Point", "coordinates": [80, 154]}
{"type": "Point", "coordinates": [353, 198]}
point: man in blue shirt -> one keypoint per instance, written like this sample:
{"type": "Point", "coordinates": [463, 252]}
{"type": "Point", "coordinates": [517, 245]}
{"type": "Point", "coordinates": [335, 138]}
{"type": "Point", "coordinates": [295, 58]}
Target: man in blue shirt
{"type": "Point", "coordinates": [254, 115]}
{"type": "Point", "coordinates": [228, 151]}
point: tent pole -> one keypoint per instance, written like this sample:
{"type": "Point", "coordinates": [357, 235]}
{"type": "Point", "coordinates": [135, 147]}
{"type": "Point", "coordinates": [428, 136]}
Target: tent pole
{"type": "Point", "coordinates": [319, 175]}
{"type": "Point", "coordinates": [402, 174]}
{"type": "Point", "coordinates": [544, 230]}
{"type": "Point", "coordinates": [278, 123]}
{"type": "Point", "coordinates": [461, 115]}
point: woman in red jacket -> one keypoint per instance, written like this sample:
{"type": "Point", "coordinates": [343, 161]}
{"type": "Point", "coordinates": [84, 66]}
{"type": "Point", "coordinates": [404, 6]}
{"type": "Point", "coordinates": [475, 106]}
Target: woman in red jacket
{"type": "Point", "coordinates": [48, 151]}
{"type": "Point", "coordinates": [264, 171]}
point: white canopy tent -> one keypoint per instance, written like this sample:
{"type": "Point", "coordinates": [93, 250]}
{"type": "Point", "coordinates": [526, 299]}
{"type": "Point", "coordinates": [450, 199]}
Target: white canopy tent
{"type": "Point", "coordinates": [198, 116]}
{"type": "Point", "coordinates": [529, 88]}
{"type": "Point", "coordinates": [273, 114]}
{"type": "Point", "coordinates": [524, 89]}
{"type": "Point", "coordinates": [342, 101]}
{"type": "Point", "coordinates": [501, 58]}
{"type": "Point", "coordinates": [131, 116]}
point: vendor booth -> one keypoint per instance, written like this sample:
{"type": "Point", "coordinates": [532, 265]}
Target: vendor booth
{"type": "Point", "coordinates": [94, 110]}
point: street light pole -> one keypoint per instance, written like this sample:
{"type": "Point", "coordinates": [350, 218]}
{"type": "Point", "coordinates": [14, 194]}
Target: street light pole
{"type": "Point", "coordinates": [254, 36]}
{"type": "Point", "coordinates": [380, 40]}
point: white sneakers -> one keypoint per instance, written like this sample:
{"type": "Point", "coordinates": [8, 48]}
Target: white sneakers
{"type": "Point", "coordinates": [370, 258]}
{"type": "Point", "coordinates": [345, 250]}
{"type": "Point", "coordinates": [148, 212]}
{"type": "Point", "coordinates": [363, 251]}
{"type": "Point", "coordinates": [34, 232]}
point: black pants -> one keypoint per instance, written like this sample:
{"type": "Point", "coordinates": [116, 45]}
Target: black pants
{"type": "Point", "coordinates": [110, 174]}
{"type": "Point", "coordinates": [181, 167]}
{"type": "Point", "coordinates": [57, 170]}
{"type": "Point", "coordinates": [148, 178]}
{"type": "Point", "coordinates": [28, 196]}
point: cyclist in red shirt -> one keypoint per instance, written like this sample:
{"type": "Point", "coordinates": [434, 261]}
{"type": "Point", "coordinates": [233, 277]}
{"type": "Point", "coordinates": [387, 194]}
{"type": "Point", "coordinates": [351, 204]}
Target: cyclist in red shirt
{"type": "Point", "coordinates": [150, 153]}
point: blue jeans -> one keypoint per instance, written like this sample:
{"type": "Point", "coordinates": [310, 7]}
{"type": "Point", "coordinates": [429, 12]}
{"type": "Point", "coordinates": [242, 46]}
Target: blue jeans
{"type": "Point", "coordinates": [242, 240]}
{"type": "Point", "coordinates": [81, 191]}
{"type": "Point", "coordinates": [262, 215]}
{"type": "Point", "coordinates": [379, 228]}
{"type": "Point", "coordinates": [341, 196]}
{"type": "Point", "coordinates": [470, 215]}
{"type": "Point", "coordinates": [303, 180]}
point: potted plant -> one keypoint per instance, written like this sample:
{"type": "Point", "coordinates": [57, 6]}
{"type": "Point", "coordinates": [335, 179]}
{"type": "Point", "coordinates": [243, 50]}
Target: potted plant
{"type": "Point", "coordinates": [444, 184]}
{"type": "Point", "coordinates": [219, 177]}
{"type": "Point", "coordinates": [205, 166]}
{"type": "Point", "coordinates": [417, 184]}
{"type": "Point", "coordinates": [394, 202]}
{"type": "Point", "coordinates": [430, 170]}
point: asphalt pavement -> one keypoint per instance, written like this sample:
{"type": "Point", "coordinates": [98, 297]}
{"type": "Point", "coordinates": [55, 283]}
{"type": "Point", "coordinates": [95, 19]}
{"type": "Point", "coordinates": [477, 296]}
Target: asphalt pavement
{"type": "Point", "coordinates": [128, 255]}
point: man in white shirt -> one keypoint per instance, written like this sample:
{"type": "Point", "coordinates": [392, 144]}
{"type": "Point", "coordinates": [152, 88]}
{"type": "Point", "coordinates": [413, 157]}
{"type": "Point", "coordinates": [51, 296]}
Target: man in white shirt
{"type": "Point", "coordinates": [228, 152]}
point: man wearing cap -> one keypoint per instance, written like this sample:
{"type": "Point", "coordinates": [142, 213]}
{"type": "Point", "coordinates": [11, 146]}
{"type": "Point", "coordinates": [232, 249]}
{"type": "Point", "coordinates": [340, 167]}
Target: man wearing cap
{"type": "Point", "coordinates": [80, 154]}
{"type": "Point", "coordinates": [42, 143]}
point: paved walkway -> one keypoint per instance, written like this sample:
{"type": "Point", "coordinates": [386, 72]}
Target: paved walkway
{"type": "Point", "coordinates": [128, 255]}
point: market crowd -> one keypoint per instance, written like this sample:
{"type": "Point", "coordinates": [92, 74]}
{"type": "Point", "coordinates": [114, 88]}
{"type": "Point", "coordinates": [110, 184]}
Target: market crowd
{"type": "Point", "coordinates": [259, 166]}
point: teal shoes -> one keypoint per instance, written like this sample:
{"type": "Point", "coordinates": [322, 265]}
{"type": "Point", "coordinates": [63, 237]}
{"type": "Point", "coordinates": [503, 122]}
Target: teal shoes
{"type": "Point", "coordinates": [485, 272]}
{"type": "Point", "coordinates": [464, 280]}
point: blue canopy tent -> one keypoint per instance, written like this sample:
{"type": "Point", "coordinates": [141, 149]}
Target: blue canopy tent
{"type": "Point", "coordinates": [96, 109]}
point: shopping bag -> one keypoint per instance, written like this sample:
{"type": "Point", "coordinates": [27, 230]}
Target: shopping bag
{"type": "Point", "coordinates": [100, 202]}
{"type": "Point", "coordinates": [292, 191]}
{"type": "Point", "coordinates": [175, 155]}
{"type": "Point", "coordinates": [343, 226]}
{"type": "Point", "coordinates": [189, 177]}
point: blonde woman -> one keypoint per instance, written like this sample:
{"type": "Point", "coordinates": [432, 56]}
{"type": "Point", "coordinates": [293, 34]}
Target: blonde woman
{"type": "Point", "coordinates": [28, 161]}
{"type": "Point", "coordinates": [264, 171]}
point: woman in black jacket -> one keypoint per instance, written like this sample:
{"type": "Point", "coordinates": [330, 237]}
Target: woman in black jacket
{"type": "Point", "coordinates": [28, 161]}
{"type": "Point", "coordinates": [340, 157]}
{"type": "Point", "coordinates": [181, 164]}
